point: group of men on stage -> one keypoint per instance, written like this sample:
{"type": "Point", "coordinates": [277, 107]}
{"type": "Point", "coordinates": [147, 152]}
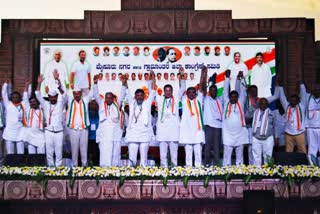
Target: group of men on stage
{"type": "Point", "coordinates": [239, 117]}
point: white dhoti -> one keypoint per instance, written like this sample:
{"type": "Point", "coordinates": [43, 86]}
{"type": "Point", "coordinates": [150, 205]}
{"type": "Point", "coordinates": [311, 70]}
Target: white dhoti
{"type": "Point", "coordinates": [197, 150]}
{"type": "Point", "coordinates": [54, 145]}
{"type": "Point", "coordinates": [235, 135]}
{"type": "Point", "coordinates": [173, 148]}
{"type": "Point", "coordinates": [35, 139]}
{"type": "Point", "coordinates": [143, 151]}
{"type": "Point", "coordinates": [262, 148]}
{"type": "Point", "coordinates": [313, 136]}
{"type": "Point", "coordinates": [104, 137]}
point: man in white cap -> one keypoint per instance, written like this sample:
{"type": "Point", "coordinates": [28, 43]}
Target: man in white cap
{"type": "Point", "coordinates": [109, 118]}
{"type": "Point", "coordinates": [139, 131]}
{"type": "Point", "coordinates": [78, 123]}
{"type": "Point", "coordinates": [80, 74]}
{"type": "Point", "coordinates": [53, 112]}
{"type": "Point", "coordinates": [55, 65]}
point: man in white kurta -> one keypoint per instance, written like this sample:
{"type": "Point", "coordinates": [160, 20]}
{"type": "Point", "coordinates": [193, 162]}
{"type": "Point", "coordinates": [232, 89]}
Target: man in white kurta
{"type": "Point", "coordinates": [106, 135]}
{"type": "Point", "coordinates": [262, 129]}
{"type": "Point", "coordinates": [53, 113]}
{"type": "Point", "coordinates": [234, 130]}
{"type": "Point", "coordinates": [78, 123]}
{"type": "Point", "coordinates": [261, 77]}
{"type": "Point", "coordinates": [34, 131]}
{"type": "Point", "coordinates": [235, 67]}
{"type": "Point", "coordinates": [15, 121]}
{"type": "Point", "coordinates": [55, 65]}
{"type": "Point", "coordinates": [312, 103]}
{"type": "Point", "coordinates": [168, 123]}
{"type": "Point", "coordinates": [80, 74]}
{"type": "Point", "coordinates": [295, 122]}
{"type": "Point", "coordinates": [192, 127]}
{"type": "Point", "coordinates": [139, 131]}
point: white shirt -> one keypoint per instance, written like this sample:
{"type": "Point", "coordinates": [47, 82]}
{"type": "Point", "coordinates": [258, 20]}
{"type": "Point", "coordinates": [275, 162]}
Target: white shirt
{"type": "Point", "coordinates": [77, 118]}
{"type": "Point", "coordinates": [233, 131]}
{"type": "Point", "coordinates": [48, 73]}
{"type": "Point", "coordinates": [81, 74]}
{"type": "Point", "coordinates": [139, 126]}
{"type": "Point", "coordinates": [291, 125]}
{"type": "Point", "coordinates": [189, 130]}
{"type": "Point", "coordinates": [14, 117]}
{"type": "Point", "coordinates": [262, 78]}
{"type": "Point", "coordinates": [279, 127]}
{"type": "Point", "coordinates": [54, 116]}
{"type": "Point", "coordinates": [212, 115]}
{"type": "Point", "coordinates": [312, 108]}
{"type": "Point", "coordinates": [235, 68]}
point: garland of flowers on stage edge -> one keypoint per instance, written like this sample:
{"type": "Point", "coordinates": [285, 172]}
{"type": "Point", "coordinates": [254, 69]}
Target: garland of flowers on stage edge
{"type": "Point", "coordinates": [43, 174]}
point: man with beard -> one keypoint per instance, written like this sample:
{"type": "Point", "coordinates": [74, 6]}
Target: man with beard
{"type": "Point", "coordinates": [55, 65]}
{"type": "Point", "coordinates": [80, 74]}
{"type": "Point", "coordinates": [139, 131]}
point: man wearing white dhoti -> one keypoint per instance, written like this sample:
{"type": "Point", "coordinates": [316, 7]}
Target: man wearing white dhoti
{"type": "Point", "coordinates": [235, 67]}
{"type": "Point", "coordinates": [262, 129]}
{"type": "Point", "coordinates": [78, 123]}
{"type": "Point", "coordinates": [139, 131]}
{"type": "Point", "coordinates": [261, 76]}
{"type": "Point", "coordinates": [106, 135]}
{"type": "Point", "coordinates": [312, 103]}
{"type": "Point", "coordinates": [168, 123]}
{"type": "Point", "coordinates": [191, 126]}
{"type": "Point", "coordinates": [34, 131]}
{"type": "Point", "coordinates": [234, 131]}
{"type": "Point", "coordinates": [15, 121]}
{"type": "Point", "coordinates": [59, 66]}
{"type": "Point", "coordinates": [53, 114]}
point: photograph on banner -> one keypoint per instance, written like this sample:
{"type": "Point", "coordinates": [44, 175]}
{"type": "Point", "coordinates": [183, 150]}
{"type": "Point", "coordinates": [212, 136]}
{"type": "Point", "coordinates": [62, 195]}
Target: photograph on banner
{"type": "Point", "coordinates": [78, 62]}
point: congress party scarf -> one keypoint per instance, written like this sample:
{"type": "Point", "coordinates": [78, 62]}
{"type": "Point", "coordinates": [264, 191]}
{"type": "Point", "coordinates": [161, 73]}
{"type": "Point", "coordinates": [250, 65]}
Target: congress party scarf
{"type": "Point", "coordinates": [120, 114]}
{"type": "Point", "coordinates": [83, 114]}
{"type": "Point", "coordinates": [228, 112]}
{"type": "Point", "coordinates": [24, 121]}
{"type": "Point", "coordinates": [298, 115]}
{"type": "Point", "coordinates": [32, 113]}
{"type": "Point", "coordinates": [264, 122]}
{"type": "Point", "coordinates": [164, 103]}
{"type": "Point", "coordinates": [198, 112]}
{"type": "Point", "coordinates": [313, 112]}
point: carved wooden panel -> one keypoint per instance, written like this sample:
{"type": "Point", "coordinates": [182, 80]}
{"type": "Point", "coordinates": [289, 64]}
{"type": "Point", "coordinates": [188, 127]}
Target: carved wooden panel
{"type": "Point", "coordinates": [265, 25]}
{"type": "Point", "coordinates": [201, 22]}
{"type": "Point", "coordinates": [288, 25]}
{"type": "Point", "coordinates": [156, 4]}
{"type": "Point", "coordinates": [55, 26]}
{"type": "Point", "coordinates": [223, 22]}
{"type": "Point", "coordinates": [161, 22]}
{"type": "Point", "coordinates": [117, 22]}
{"type": "Point", "coordinates": [33, 26]}
{"type": "Point", "coordinates": [97, 21]}
{"type": "Point", "coordinates": [245, 26]}
{"type": "Point", "coordinates": [22, 62]}
{"type": "Point", "coordinates": [74, 26]}
{"type": "Point", "coordinates": [181, 21]}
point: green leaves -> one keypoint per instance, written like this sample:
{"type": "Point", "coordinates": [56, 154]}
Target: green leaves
{"type": "Point", "coordinates": [206, 181]}
{"type": "Point", "coordinates": [185, 181]}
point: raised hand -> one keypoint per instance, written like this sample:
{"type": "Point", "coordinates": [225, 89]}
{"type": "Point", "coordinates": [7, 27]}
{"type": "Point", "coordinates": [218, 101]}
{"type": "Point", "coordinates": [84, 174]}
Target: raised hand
{"type": "Point", "coordinates": [55, 74]}
{"type": "Point", "coordinates": [227, 73]}
{"type": "Point", "coordinates": [240, 74]}
{"type": "Point", "coordinates": [181, 71]}
{"type": "Point", "coordinates": [40, 79]}
{"type": "Point", "coordinates": [96, 78]}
